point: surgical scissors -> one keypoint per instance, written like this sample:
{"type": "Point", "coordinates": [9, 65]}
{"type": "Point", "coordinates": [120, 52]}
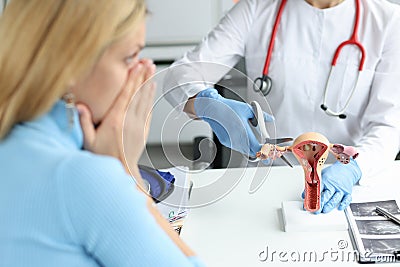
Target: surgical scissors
{"type": "Point", "coordinates": [258, 121]}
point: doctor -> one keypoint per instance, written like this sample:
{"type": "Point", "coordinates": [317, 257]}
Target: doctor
{"type": "Point", "coordinates": [356, 103]}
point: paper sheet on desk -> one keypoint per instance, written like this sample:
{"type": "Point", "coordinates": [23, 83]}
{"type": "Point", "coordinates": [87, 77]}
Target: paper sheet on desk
{"type": "Point", "coordinates": [296, 219]}
{"type": "Point", "coordinates": [175, 207]}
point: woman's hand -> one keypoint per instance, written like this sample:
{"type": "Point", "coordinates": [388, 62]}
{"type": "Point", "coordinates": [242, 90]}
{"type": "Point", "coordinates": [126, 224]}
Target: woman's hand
{"type": "Point", "coordinates": [137, 122]}
{"type": "Point", "coordinates": [123, 131]}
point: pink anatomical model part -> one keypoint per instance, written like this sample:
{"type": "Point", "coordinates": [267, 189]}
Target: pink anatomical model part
{"type": "Point", "coordinates": [311, 150]}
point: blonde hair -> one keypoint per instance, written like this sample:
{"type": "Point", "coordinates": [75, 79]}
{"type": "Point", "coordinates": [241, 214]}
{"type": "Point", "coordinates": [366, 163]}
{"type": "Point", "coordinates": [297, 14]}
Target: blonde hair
{"type": "Point", "coordinates": [47, 44]}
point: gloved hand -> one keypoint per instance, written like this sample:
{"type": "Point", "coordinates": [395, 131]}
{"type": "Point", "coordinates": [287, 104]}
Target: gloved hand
{"type": "Point", "coordinates": [229, 120]}
{"type": "Point", "coordinates": [337, 185]}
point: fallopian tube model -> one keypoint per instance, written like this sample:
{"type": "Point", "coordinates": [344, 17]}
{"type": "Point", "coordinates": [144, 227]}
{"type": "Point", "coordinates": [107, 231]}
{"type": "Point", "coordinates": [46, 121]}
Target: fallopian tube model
{"type": "Point", "coordinates": [311, 150]}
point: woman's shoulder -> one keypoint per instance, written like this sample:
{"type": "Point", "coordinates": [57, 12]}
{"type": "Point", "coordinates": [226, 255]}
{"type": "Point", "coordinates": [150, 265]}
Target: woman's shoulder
{"type": "Point", "coordinates": [86, 168]}
{"type": "Point", "coordinates": [85, 177]}
{"type": "Point", "coordinates": [86, 159]}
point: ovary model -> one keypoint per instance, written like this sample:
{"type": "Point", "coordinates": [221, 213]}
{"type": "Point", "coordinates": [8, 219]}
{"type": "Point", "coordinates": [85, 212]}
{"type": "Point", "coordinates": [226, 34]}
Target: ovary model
{"type": "Point", "coordinates": [311, 150]}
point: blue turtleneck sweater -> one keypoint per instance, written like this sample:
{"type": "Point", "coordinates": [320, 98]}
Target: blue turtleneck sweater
{"type": "Point", "coordinates": [63, 206]}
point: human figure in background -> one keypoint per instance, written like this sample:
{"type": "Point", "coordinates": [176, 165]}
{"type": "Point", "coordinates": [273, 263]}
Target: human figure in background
{"type": "Point", "coordinates": [356, 108]}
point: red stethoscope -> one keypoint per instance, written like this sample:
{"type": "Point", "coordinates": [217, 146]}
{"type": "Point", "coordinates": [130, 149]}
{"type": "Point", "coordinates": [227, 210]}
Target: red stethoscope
{"type": "Point", "coordinates": [264, 83]}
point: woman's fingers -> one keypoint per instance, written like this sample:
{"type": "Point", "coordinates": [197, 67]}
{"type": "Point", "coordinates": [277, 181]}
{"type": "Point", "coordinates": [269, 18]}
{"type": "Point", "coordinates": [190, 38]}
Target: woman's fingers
{"type": "Point", "coordinates": [89, 132]}
{"type": "Point", "coordinates": [149, 109]}
{"type": "Point", "coordinates": [106, 138]}
{"type": "Point", "coordinates": [143, 97]}
{"type": "Point", "coordinates": [139, 111]}
{"type": "Point", "coordinates": [135, 80]}
{"type": "Point", "coordinates": [146, 61]}
{"type": "Point", "coordinates": [136, 118]}
{"type": "Point", "coordinates": [147, 100]}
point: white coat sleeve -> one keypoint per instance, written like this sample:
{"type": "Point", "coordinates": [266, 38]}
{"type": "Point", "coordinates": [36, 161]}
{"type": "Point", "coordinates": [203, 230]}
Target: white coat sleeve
{"type": "Point", "coordinates": [206, 64]}
{"type": "Point", "coordinates": [381, 121]}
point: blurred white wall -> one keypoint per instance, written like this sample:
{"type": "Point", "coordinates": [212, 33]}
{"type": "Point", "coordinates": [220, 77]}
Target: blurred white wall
{"type": "Point", "coordinates": [174, 27]}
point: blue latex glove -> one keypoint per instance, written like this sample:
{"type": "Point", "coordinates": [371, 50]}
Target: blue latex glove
{"type": "Point", "coordinates": [337, 185]}
{"type": "Point", "coordinates": [229, 120]}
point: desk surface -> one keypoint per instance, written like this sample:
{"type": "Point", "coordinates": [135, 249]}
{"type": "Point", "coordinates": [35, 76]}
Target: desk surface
{"type": "Point", "coordinates": [243, 229]}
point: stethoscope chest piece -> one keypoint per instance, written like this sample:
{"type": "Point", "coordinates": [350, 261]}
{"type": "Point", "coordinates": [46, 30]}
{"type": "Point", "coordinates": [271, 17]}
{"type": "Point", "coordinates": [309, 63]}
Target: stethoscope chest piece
{"type": "Point", "coordinates": [263, 84]}
{"type": "Point", "coordinates": [331, 113]}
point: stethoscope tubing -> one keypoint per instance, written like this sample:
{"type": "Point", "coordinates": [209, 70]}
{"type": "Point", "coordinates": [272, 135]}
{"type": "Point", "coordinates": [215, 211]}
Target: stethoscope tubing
{"type": "Point", "coordinates": [273, 37]}
{"type": "Point", "coordinates": [352, 41]}
{"type": "Point", "coordinates": [341, 112]}
{"type": "Point", "coordinates": [265, 87]}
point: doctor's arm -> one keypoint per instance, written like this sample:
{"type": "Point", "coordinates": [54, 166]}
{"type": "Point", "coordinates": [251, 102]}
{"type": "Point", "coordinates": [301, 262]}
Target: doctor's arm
{"type": "Point", "coordinates": [208, 62]}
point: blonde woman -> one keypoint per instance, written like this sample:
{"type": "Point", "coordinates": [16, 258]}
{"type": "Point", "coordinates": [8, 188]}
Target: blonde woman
{"type": "Point", "coordinates": [65, 196]}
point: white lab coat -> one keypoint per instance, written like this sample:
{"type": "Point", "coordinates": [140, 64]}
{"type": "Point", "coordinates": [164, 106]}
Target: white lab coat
{"type": "Point", "coordinates": [306, 41]}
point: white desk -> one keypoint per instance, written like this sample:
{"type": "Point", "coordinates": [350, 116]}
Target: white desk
{"type": "Point", "coordinates": [234, 230]}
